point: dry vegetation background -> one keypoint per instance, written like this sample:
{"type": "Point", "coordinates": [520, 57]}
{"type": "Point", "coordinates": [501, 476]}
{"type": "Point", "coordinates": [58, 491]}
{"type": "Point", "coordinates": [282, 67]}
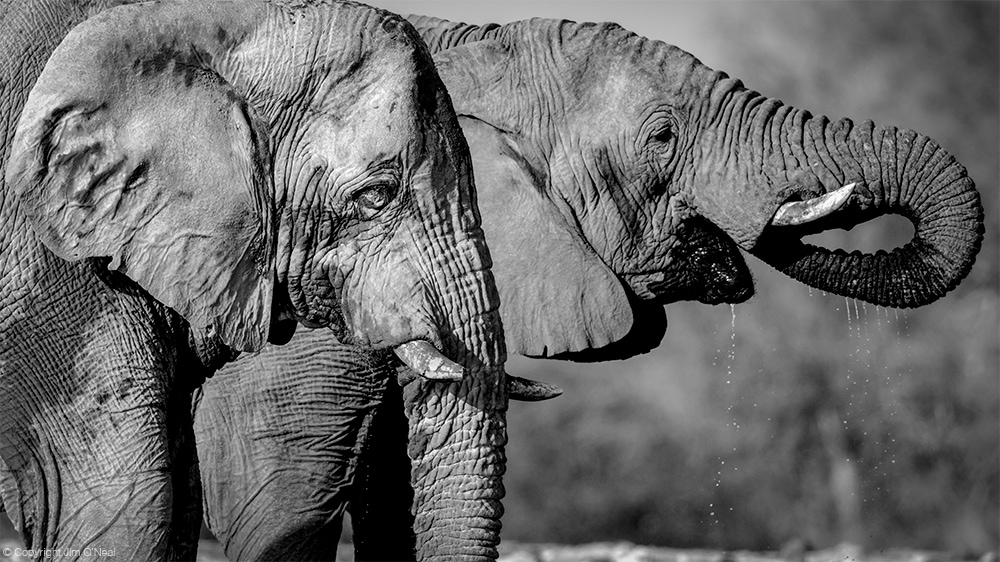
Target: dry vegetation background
{"type": "Point", "coordinates": [796, 420]}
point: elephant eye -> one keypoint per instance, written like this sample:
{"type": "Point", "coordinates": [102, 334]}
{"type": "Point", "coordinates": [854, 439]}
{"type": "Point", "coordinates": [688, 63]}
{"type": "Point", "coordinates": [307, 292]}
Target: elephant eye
{"type": "Point", "coordinates": [662, 135]}
{"type": "Point", "coordinates": [372, 199]}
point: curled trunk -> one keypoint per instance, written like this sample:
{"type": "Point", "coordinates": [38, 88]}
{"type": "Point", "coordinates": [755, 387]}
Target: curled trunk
{"type": "Point", "coordinates": [793, 155]}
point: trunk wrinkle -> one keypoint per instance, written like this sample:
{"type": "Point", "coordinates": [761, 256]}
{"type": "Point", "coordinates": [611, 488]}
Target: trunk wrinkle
{"type": "Point", "coordinates": [921, 182]}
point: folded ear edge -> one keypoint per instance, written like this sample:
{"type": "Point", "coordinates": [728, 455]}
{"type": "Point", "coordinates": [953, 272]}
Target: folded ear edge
{"type": "Point", "coordinates": [169, 179]}
{"type": "Point", "coordinates": [556, 294]}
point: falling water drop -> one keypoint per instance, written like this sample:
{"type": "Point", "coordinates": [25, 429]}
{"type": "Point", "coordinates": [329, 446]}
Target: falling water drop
{"type": "Point", "coordinates": [733, 421]}
{"type": "Point", "coordinates": [857, 317]}
{"type": "Point", "coordinates": [868, 342]}
{"type": "Point", "coordinates": [732, 342]}
{"type": "Point", "coordinates": [718, 350]}
{"type": "Point", "coordinates": [893, 374]}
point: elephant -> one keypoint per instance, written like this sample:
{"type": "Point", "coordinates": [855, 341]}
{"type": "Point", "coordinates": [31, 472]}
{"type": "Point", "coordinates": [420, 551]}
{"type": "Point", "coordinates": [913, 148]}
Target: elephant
{"type": "Point", "coordinates": [188, 180]}
{"type": "Point", "coordinates": [614, 174]}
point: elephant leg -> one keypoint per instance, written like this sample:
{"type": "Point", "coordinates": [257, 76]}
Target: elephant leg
{"type": "Point", "coordinates": [279, 436]}
{"type": "Point", "coordinates": [381, 506]}
{"type": "Point", "coordinates": [84, 435]}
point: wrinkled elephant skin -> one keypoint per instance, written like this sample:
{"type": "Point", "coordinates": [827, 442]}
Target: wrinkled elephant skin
{"type": "Point", "coordinates": [616, 174]}
{"type": "Point", "coordinates": [186, 180]}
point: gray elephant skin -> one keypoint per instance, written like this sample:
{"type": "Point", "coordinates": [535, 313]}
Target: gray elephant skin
{"type": "Point", "coordinates": [188, 179]}
{"type": "Point", "coordinates": [614, 174]}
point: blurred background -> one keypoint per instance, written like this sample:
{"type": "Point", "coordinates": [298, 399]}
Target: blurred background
{"type": "Point", "coordinates": [796, 417]}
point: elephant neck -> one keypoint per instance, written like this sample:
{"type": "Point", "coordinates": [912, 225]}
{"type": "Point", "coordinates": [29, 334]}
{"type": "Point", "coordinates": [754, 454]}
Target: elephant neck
{"type": "Point", "coordinates": [440, 34]}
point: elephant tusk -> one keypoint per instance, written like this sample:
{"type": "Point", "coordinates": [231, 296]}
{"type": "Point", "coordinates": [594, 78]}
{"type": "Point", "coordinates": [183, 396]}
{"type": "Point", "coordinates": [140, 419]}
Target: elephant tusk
{"type": "Point", "coordinates": [801, 212]}
{"type": "Point", "coordinates": [428, 362]}
{"type": "Point", "coordinates": [527, 390]}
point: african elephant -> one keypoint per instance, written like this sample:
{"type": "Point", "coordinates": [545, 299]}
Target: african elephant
{"type": "Point", "coordinates": [190, 179]}
{"type": "Point", "coordinates": [614, 174]}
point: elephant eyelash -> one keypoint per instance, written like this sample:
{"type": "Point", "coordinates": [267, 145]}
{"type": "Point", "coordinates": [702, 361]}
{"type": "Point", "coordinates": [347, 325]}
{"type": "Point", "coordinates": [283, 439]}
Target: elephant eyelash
{"type": "Point", "coordinates": [665, 134]}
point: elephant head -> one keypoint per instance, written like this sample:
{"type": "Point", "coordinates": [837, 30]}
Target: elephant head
{"type": "Point", "coordinates": [614, 174]}
{"type": "Point", "coordinates": [649, 172]}
{"type": "Point", "coordinates": [249, 164]}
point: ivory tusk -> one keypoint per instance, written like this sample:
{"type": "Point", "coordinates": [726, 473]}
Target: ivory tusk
{"type": "Point", "coordinates": [428, 362]}
{"type": "Point", "coordinates": [801, 212]}
{"type": "Point", "coordinates": [527, 390]}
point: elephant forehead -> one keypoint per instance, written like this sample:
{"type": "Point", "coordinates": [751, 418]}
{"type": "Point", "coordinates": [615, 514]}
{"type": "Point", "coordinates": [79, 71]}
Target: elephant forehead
{"type": "Point", "coordinates": [620, 104]}
{"type": "Point", "coordinates": [377, 129]}
{"type": "Point", "coordinates": [631, 72]}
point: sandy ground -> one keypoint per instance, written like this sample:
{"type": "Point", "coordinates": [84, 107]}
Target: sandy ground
{"type": "Point", "coordinates": [626, 552]}
{"type": "Point", "coordinates": [211, 551]}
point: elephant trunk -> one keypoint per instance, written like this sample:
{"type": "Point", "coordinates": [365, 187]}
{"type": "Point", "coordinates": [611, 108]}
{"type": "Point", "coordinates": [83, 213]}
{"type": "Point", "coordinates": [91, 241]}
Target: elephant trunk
{"type": "Point", "coordinates": [457, 434]}
{"type": "Point", "coordinates": [457, 472]}
{"type": "Point", "coordinates": [898, 172]}
{"type": "Point", "coordinates": [790, 155]}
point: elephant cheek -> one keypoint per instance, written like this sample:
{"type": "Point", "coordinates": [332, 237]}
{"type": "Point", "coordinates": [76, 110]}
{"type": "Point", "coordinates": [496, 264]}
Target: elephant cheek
{"type": "Point", "coordinates": [387, 305]}
{"type": "Point", "coordinates": [384, 322]}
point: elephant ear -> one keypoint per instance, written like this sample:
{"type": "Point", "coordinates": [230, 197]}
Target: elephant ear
{"type": "Point", "coordinates": [478, 77]}
{"type": "Point", "coordinates": [556, 295]}
{"type": "Point", "coordinates": [159, 165]}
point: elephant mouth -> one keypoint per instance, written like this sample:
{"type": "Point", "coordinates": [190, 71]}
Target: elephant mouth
{"type": "Point", "coordinates": [727, 288]}
{"type": "Point", "coordinates": [283, 320]}
{"type": "Point", "coordinates": [710, 268]}
{"type": "Point", "coordinates": [717, 283]}
{"type": "Point", "coordinates": [707, 268]}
